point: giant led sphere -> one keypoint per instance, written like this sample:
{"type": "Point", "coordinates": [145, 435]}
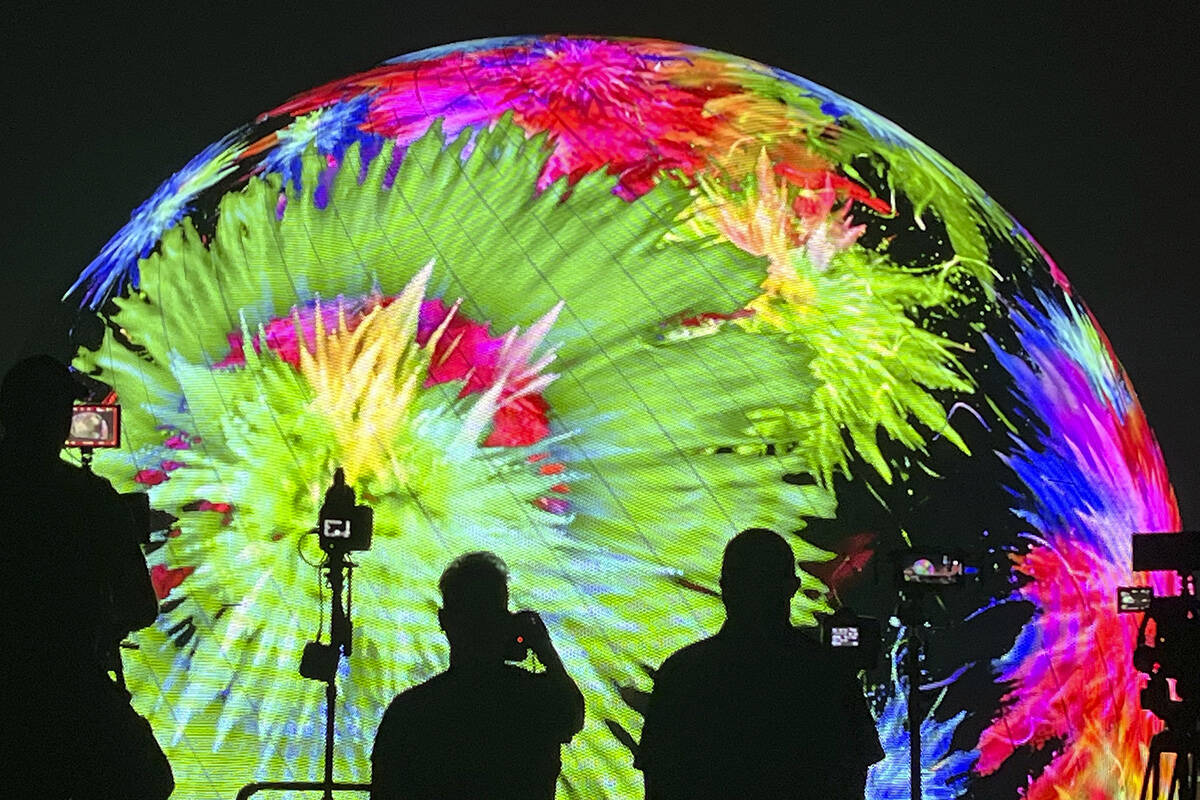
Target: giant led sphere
{"type": "Point", "coordinates": [596, 305]}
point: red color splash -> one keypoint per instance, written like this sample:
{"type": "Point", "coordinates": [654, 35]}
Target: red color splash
{"type": "Point", "coordinates": [166, 578]}
{"type": "Point", "coordinates": [819, 188]}
{"type": "Point", "coordinates": [224, 509]}
{"type": "Point", "coordinates": [705, 317]}
{"type": "Point", "coordinates": [465, 351]}
{"type": "Point", "coordinates": [603, 105]}
{"type": "Point", "coordinates": [520, 422]}
{"type": "Point", "coordinates": [283, 334]}
{"type": "Point", "coordinates": [853, 555]}
{"type": "Point", "coordinates": [150, 477]}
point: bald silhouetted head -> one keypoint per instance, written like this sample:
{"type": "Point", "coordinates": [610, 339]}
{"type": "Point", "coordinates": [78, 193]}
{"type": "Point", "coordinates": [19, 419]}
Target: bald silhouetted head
{"type": "Point", "coordinates": [758, 578]}
{"type": "Point", "coordinates": [35, 405]}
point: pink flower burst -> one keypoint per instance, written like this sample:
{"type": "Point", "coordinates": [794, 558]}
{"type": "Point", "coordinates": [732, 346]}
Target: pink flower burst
{"type": "Point", "coordinates": [465, 351]}
{"type": "Point", "coordinates": [603, 104]}
{"type": "Point", "coordinates": [283, 334]}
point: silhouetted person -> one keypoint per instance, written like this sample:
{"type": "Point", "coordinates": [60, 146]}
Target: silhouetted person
{"type": "Point", "coordinates": [483, 729]}
{"type": "Point", "coordinates": [74, 583]}
{"type": "Point", "coordinates": [759, 710]}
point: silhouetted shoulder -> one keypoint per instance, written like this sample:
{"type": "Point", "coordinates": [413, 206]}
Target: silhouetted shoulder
{"type": "Point", "coordinates": [414, 702]}
{"type": "Point", "coordinates": [690, 655]}
{"type": "Point", "coordinates": [54, 487]}
{"type": "Point", "coordinates": [415, 696]}
{"type": "Point", "coordinates": [508, 695]}
{"type": "Point", "coordinates": [500, 728]}
{"type": "Point", "coordinates": [724, 648]}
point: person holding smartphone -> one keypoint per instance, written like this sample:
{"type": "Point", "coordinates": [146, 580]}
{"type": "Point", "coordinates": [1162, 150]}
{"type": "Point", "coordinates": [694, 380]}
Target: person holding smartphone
{"type": "Point", "coordinates": [484, 728]}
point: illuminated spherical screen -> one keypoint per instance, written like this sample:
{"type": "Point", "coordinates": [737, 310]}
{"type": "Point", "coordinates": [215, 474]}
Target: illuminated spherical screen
{"type": "Point", "coordinates": [596, 305]}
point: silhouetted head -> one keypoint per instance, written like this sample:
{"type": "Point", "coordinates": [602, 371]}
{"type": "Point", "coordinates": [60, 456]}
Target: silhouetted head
{"type": "Point", "coordinates": [35, 404]}
{"type": "Point", "coordinates": [474, 612]}
{"type": "Point", "coordinates": [758, 577]}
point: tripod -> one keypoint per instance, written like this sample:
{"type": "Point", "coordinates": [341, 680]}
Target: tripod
{"type": "Point", "coordinates": [1183, 773]}
{"type": "Point", "coordinates": [1174, 655]}
{"type": "Point", "coordinates": [320, 662]}
{"type": "Point", "coordinates": [911, 614]}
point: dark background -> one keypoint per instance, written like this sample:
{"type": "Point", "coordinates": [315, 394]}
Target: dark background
{"type": "Point", "coordinates": [1080, 119]}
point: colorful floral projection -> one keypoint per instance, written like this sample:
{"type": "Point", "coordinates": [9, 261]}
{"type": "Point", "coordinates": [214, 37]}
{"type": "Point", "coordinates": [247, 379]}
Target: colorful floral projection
{"type": "Point", "coordinates": [596, 305]}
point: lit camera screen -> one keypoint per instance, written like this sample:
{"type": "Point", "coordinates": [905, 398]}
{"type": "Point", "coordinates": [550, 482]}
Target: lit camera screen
{"type": "Point", "coordinates": [843, 637]}
{"type": "Point", "coordinates": [95, 426]}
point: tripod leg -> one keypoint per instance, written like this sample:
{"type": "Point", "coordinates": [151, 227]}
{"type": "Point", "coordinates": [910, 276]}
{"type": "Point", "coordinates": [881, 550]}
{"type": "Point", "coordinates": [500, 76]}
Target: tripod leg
{"type": "Point", "coordinates": [330, 705]}
{"type": "Point", "coordinates": [1183, 776]}
{"type": "Point", "coordinates": [1191, 757]}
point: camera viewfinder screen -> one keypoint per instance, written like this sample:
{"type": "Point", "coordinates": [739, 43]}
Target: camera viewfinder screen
{"type": "Point", "coordinates": [335, 528]}
{"type": "Point", "coordinates": [95, 426]}
{"type": "Point", "coordinates": [843, 637]}
{"type": "Point", "coordinates": [1134, 598]}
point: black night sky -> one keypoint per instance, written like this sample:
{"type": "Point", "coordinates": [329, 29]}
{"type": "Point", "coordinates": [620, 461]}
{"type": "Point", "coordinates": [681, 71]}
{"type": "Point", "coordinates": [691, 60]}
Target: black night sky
{"type": "Point", "coordinates": [1075, 117]}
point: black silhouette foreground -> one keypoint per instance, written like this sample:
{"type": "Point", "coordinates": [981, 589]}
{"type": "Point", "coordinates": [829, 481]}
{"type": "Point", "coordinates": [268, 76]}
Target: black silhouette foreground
{"type": "Point", "coordinates": [74, 584]}
{"type": "Point", "coordinates": [759, 710]}
{"type": "Point", "coordinates": [483, 729]}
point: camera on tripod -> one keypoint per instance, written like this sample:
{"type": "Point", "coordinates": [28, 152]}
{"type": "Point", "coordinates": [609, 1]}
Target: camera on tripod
{"type": "Point", "coordinates": [1172, 660]}
{"type": "Point", "coordinates": [342, 527]}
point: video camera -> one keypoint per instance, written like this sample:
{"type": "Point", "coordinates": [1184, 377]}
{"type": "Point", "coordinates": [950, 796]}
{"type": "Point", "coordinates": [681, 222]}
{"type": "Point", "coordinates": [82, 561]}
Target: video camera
{"type": "Point", "coordinates": [1172, 661]}
{"type": "Point", "coordinates": [343, 526]}
{"type": "Point", "coordinates": [95, 422]}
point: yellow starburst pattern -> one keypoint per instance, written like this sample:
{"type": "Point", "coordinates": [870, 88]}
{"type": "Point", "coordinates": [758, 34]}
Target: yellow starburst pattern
{"type": "Point", "coordinates": [364, 380]}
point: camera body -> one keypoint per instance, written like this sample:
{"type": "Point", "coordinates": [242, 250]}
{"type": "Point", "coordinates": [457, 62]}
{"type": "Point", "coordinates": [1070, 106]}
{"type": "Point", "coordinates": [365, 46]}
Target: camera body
{"type": "Point", "coordinates": [346, 529]}
{"type": "Point", "coordinates": [1172, 659]}
{"type": "Point", "coordinates": [343, 526]}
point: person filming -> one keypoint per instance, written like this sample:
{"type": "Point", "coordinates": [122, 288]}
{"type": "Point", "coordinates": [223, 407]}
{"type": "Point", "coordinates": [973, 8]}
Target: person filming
{"type": "Point", "coordinates": [75, 583]}
{"type": "Point", "coordinates": [484, 728]}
